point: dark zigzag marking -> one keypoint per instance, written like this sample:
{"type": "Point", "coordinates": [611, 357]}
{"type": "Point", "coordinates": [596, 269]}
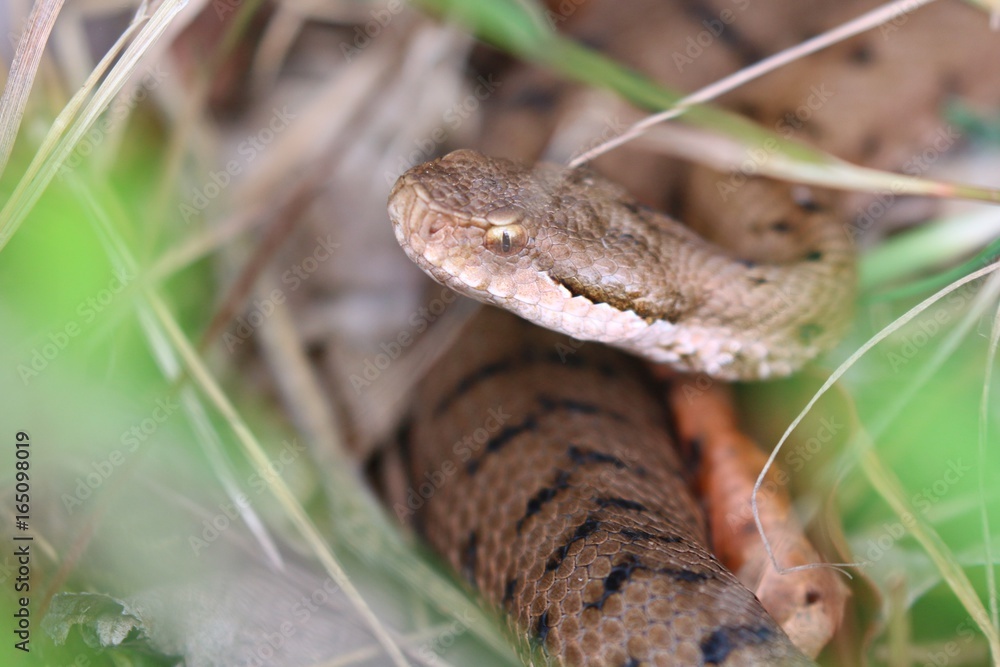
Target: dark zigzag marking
{"type": "Point", "coordinates": [473, 378]}
{"type": "Point", "coordinates": [550, 404]}
{"type": "Point", "coordinates": [508, 591]}
{"type": "Point", "coordinates": [635, 534]}
{"type": "Point", "coordinates": [581, 456]}
{"type": "Point", "coordinates": [619, 576]}
{"type": "Point", "coordinates": [543, 496]}
{"type": "Point", "coordinates": [717, 646]}
{"type": "Point", "coordinates": [620, 503]}
{"type": "Point", "coordinates": [542, 627]}
{"type": "Point", "coordinates": [506, 434]}
{"type": "Point", "coordinates": [530, 423]}
{"type": "Point", "coordinates": [622, 573]}
{"type": "Point", "coordinates": [469, 556]}
{"type": "Point", "coordinates": [527, 357]}
{"type": "Point", "coordinates": [588, 527]}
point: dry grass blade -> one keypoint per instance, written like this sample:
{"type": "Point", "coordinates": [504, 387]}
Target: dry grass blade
{"type": "Point", "coordinates": [166, 359]}
{"type": "Point", "coordinates": [984, 415]}
{"type": "Point", "coordinates": [22, 72]}
{"type": "Point", "coordinates": [710, 135]}
{"type": "Point", "coordinates": [727, 153]}
{"type": "Point", "coordinates": [363, 655]}
{"type": "Point", "coordinates": [866, 21]}
{"type": "Point", "coordinates": [888, 486]}
{"type": "Point", "coordinates": [64, 135]}
{"type": "Point", "coordinates": [258, 457]}
{"type": "Point", "coordinates": [167, 332]}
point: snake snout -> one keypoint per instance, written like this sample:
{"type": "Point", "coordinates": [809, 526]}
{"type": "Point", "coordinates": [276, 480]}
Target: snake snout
{"type": "Point", "coordinates": [397, 215]}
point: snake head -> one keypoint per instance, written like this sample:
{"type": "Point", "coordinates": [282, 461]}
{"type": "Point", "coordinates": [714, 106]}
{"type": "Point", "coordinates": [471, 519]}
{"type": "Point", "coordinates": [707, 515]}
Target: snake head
{"type": "Point", "coordinates": [472, 222]}
{"type": "Point", "coordinates": [542, 241]}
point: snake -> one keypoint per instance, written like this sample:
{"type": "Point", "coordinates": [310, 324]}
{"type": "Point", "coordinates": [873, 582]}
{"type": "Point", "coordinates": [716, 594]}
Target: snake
{"type": "Point", "coordinates": [573, 512]}
{"type": "Point", "coordinates": [546, 470]}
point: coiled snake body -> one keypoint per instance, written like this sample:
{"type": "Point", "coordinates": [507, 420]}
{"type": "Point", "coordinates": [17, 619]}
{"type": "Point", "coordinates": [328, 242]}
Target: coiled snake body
{"type": "Point", "coordinates": [559, 495]}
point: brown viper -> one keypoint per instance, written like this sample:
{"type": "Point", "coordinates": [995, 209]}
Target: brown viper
{"type": "Point", "coordinates": [552, 483]}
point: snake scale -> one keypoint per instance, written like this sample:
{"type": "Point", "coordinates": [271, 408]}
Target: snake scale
{"type": "Point", "coordinates": [555, 488]}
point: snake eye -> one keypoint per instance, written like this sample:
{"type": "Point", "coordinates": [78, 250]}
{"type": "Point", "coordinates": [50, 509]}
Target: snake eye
{"type": "Point", "coordinates": [506, 240]}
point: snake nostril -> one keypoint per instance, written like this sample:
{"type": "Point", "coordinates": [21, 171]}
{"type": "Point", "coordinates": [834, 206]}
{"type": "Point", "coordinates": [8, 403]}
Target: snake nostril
{"type": "Point", "coordinates": [436, 224]}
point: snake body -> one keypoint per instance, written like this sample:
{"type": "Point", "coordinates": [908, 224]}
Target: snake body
{"type": "Point", "coordinates": [572, 251]}
{"type": "Point", "coordinates": [547, 477]}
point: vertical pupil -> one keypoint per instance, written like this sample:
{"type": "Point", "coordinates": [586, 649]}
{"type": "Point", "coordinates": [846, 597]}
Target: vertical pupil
{"type": "Point", "coordinates": [505, 241]}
